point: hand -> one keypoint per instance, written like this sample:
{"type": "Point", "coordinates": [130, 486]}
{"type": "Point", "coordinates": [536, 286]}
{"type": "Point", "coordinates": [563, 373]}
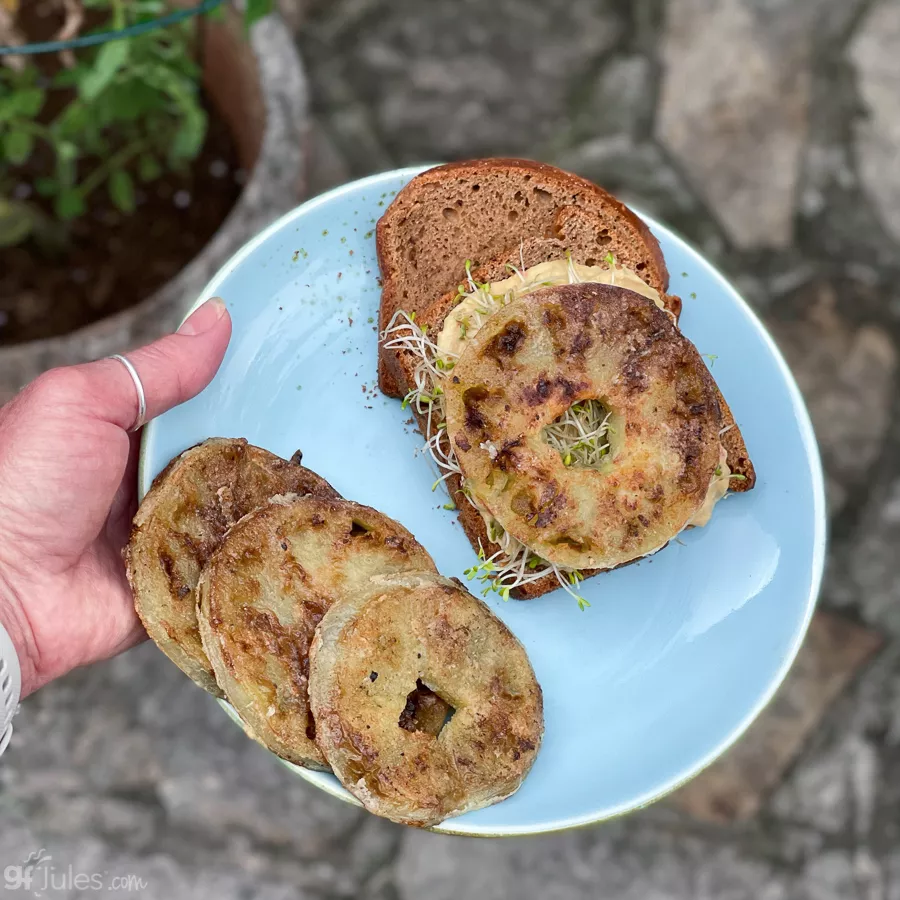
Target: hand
{"type": "Point", "coordinates": [68, 480]}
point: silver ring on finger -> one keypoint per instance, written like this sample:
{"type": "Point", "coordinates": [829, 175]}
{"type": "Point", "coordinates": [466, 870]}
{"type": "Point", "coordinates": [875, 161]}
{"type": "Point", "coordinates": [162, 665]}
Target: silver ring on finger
{"type": "Point", "coordinates": [139, 387]}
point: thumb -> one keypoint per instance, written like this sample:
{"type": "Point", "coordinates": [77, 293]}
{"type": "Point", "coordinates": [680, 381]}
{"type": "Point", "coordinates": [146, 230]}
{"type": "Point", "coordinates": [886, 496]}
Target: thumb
{"type": "Point", "coordinates": [172, 369]}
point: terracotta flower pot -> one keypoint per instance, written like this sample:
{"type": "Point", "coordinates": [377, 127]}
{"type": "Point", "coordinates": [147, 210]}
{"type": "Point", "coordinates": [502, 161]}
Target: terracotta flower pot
{"type": "Point", "coordinates": [259, 89]}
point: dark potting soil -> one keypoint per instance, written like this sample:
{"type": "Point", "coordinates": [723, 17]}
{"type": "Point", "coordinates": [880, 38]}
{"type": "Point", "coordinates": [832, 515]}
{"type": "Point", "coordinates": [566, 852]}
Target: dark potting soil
{"type": "Point", "coordinates": [113, 260]}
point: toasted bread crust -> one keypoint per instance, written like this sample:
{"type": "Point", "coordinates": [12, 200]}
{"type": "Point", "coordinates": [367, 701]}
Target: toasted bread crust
{"type": "Point", "coordinates": [182, 521]}
{"type": "Point", "coordinates": [370, 654]}
{"type": "Point", "coordinates": [481, 236]}
{"type": "Point", "coordinates": [737, 455]}
{"type": "Point", "coordinates": [265, 590]}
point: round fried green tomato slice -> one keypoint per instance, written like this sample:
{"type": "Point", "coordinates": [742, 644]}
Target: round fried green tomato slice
{"type": "Point", "coordinates": [182, 520]}
{"type": "Point", "coordinates": [559, 347]}
{"type": "Point", "coordinates": [425, 703]}
{"type": "Point", "coordinates": [265, 590]}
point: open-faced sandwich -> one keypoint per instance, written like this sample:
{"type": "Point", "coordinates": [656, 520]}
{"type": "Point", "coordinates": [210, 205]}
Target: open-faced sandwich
{"type": "Point", "coordinates": [527, 321]}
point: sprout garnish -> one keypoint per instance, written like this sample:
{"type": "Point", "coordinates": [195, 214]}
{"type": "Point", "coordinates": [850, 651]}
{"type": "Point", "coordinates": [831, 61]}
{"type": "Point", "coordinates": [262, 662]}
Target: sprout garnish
{"type": "Point", "coordinates": [472, 286]}
{"type": "Point", "coordinates": [579, 435]}
{"type": "Point", "coordinates": [514, 565]}
{"type": "Point", "coordinates": [570, 267]}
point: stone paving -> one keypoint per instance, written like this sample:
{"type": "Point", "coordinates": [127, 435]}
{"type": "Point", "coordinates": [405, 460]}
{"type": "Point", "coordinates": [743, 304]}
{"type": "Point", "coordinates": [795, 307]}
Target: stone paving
{"type": "Point", "coordinates": [768, 132]}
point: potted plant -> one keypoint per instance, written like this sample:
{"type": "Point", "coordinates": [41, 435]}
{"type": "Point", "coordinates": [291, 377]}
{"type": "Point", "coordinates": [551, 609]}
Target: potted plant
{"type": "Point", "coordinates": [131, 171]}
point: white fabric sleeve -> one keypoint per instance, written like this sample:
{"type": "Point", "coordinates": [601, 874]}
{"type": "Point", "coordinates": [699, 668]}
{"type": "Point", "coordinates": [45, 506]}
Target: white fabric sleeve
{"type": "Point", "coordinates": [10, 686]}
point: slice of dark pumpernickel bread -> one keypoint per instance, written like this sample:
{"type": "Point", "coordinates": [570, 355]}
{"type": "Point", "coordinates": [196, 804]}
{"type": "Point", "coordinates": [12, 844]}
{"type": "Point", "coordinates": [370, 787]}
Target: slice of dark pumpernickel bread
{"type": "Point", "coordinates": [474, 210]}
{"type": "Point", "coordinates": [738, 458]}
{"type": "Point", "coordinates": [401, 366]}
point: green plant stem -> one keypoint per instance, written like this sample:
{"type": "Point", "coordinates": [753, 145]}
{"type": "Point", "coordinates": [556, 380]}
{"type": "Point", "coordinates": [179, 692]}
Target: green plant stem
{"type": "Point", "coordinates": [102, 172]}
{"type": "Point", "coordinates": [37, 130]}
{"type": "Point", "coordinates": [119, 18]}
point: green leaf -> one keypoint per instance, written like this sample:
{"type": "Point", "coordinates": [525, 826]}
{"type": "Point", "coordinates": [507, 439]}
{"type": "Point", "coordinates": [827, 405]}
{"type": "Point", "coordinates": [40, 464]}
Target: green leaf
{"type": "Point", "coordinates": [192, 121]}
{"type": "Point", "coordinates": [110, 59]}
{"type": "Point", "coordinates": [149, 8]}
{"type": "Point", "coordinates": [30, 101]}
{"type": "Point", "coordinates": [189, 137]}
{"type": "Point", "coordinates": [130, 100]}
{"type": "Point", "coordinates": [16, 222]}
{"type": "Point", "coordinates": [256, 10]}
{"type": "Point", "coordinates": [121, 191]}
{"type": "Point", "coordinates": [23, 103]}
{"type": "Point", "coordinates": [69, 204]}
{"type": "Point", "coordinates": [149, 168]}
{"type": "Point", "coordinates": [70, 77]}
{"type": "Point", "coordinates": [17, 146]}
{"type": "Point", "coordinates": [46, 187]}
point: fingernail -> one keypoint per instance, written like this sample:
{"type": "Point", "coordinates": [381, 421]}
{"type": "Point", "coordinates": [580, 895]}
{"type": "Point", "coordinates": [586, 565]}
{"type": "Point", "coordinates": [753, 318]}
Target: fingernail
{"type": "Point", "coordinates": [204, 317]}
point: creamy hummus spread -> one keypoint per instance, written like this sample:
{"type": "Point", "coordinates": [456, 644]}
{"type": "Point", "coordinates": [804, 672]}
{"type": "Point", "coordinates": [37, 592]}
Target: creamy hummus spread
{"type": "Point", "coordinates": [477, 306]}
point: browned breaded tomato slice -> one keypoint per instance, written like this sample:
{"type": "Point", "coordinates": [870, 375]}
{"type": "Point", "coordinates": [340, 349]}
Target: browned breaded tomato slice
{"type": "Point", "coordinates": [183, 518]}
{"type": "Point", "coordinates": [266, 589]}
{"type": "Point", "coordinates": [516, 403]}
{"type": "Point", "coordinates": [426, 705]}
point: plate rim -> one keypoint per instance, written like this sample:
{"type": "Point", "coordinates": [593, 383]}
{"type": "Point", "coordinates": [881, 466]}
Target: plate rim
{"type": "Point", "coordinates": [808, 440]}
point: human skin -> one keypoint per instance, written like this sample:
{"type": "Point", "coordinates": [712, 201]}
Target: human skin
{"type": "Point", "coordinates": [68, 493]}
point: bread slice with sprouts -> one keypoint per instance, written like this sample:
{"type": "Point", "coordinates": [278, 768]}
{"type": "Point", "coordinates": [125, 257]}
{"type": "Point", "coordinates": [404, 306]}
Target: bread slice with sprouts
{"type": "Point", "coordinates": [512, 229]}
{"type": "Point", "coordinates": [475, 210]}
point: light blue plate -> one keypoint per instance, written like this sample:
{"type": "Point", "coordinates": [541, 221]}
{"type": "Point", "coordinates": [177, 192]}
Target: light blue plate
{"type": "Point", "coordinates": [677, 654]}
